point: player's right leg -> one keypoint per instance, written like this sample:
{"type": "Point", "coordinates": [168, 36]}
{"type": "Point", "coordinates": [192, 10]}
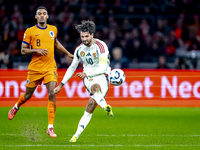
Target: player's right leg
{"type": "Point", "coordinates": [22, 99]}
{"type": "Point", "coordinates": [31, 83]}
{"type": "Point", "coordinates": [91, 105]}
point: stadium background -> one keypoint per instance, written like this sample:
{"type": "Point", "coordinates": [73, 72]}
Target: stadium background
{"type": "Point", "coordinates": [145, 31]}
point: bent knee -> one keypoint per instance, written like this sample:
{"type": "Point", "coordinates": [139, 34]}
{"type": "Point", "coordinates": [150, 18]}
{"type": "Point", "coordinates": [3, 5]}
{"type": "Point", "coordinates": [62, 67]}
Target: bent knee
{"type": "Point", "coordinates": [27, 96]}
{"type": "Point", "coordinates": [92, 102]}
{"type": "Point", "coordinates": [95, 88]}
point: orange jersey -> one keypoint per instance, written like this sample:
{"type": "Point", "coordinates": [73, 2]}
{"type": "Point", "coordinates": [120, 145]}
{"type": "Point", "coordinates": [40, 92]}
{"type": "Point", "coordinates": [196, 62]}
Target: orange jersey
{"type": "Point", "coordinates": [41, 38]}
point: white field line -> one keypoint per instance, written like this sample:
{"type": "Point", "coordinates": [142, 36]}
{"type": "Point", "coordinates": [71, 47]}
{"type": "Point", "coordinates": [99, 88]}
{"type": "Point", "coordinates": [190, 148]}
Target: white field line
{"type": "Point", "coordinates": [119, 145]}
{"type": "Point", "coordinates": [121, 135]}
{"type": "Point", "coordinates": [148, 135]}
{"type": "Point", "coordinates": [40, 145]}
{"type": "Point", "coordinates": [137, 145]}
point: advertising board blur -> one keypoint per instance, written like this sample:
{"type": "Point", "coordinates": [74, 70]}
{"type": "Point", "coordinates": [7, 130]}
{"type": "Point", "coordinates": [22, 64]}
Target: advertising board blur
{"type": "Point", "coordinates": [148, 88]}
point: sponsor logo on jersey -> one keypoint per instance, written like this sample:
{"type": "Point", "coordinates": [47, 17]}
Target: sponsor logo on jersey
{"type": "Point", "coordinates": [51, 33]}
{"type": "Point", "coordinates": [88, 54]}
{"type": "Point", "coordinates": [82, 53]}
{"type": "Point", "coordinates": [94, 54]}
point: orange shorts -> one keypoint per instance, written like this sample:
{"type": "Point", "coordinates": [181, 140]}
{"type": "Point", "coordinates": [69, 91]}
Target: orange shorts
{"type": "Point", "coordinates": [35, 78]}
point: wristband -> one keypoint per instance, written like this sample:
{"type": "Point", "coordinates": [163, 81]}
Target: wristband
{"type": "Point", "coordinates": [62, 84]}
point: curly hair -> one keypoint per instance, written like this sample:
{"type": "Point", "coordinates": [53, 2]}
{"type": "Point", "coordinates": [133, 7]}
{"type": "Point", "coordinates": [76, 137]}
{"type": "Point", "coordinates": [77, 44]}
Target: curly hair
{"type": "Point", "coordinates": [86, 26]}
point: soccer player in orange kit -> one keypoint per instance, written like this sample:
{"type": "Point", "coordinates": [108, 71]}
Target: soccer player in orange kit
{"type": "Point", "coordinates": [40, 41]}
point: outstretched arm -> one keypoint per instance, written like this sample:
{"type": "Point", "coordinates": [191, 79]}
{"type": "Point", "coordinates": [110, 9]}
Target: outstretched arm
{"type": "Point", "coordinates": [70, 71]}
{"type": "Point", "coordinates": [61, 48]}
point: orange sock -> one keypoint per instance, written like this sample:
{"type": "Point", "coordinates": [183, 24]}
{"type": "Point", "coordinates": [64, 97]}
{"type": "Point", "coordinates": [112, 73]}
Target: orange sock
{"type": "Point", "coordinates": [51, 109]}
{"type": "Point", "coordinates": [21, 100]}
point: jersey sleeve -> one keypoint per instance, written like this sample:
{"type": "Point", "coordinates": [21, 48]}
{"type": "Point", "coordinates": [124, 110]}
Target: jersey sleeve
{"type": "Point", "coordinates": [56, 32]}
{"type": "Point", "coordinates": [27, 37]}
{"type": "Point", "coordinates": [70, 71]}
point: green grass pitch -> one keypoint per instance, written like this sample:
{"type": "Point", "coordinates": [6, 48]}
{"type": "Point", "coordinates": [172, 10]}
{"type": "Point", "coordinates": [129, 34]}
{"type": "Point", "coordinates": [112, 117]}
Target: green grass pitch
{"type": "Point", "coordinates": [140, 128]}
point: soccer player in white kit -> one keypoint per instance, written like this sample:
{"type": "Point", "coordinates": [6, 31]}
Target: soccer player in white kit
{"type": "Point", "coordinates": [95, 56]}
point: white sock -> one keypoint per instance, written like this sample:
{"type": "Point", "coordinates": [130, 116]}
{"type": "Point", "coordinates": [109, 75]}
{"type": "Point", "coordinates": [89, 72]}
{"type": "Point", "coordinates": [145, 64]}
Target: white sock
{"type": "Point", "coordinates": [98, 96]}
{"type": "Point", "coordinates": [83, 123]}
{"type": "Point", "coordinates": [16, 106]}
{"type": "Point", "coordinates": [50, 126]}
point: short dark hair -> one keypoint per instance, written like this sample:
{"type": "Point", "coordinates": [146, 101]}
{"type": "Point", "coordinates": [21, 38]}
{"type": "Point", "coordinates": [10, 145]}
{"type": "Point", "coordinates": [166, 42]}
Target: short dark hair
{"type": "Point", "coordinates": [86, 26]}
{"type": "Point", "coordinates": [41, 7]}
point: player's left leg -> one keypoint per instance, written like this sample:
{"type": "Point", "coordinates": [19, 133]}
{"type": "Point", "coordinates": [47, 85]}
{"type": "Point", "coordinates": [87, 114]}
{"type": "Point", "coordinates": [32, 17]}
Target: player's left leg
{"type": "Point", "coordinates": [98, 95]}
{"type": "Point", "coordinates": [51, 108]}
{"type": "Point", "coordinates": [90, 107]}
{"type": "Point", "coordinates": [99, 98]}
{"type": "Point", "coordinates": [99, 88]}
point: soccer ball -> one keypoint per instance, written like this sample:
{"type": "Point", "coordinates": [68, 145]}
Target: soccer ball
{"type": "Point", "coordinates": [116, 77]}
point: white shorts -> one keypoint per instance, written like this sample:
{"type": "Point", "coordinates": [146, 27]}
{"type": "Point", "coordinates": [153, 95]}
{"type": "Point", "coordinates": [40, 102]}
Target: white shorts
{"type": "Point", "coordinates": [102, 80]}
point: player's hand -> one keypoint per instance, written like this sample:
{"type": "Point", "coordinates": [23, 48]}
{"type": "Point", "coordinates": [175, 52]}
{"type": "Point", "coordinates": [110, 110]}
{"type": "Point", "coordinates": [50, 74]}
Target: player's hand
{"type": "Point", "coordinates": [81, 75]}
{"type": "Point", "coordinates": [57, 89]}
{"type": "Point", "coordinates": [71, 56]}
{"type": "Point", "coordinates": [42, 52]}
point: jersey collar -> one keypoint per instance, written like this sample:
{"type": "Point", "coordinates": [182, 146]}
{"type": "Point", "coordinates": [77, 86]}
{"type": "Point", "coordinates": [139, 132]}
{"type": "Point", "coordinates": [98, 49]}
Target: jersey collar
{"type": "Point", "coordinates": [40, 27]}
{"type": "Point", "coordinates": [94, 40]}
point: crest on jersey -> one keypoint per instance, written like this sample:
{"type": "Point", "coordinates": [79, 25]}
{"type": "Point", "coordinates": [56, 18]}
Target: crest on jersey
{"type": "Point", "coordinates": [91, 79]}
{"type": "Point", "coordinates": [94, 54]}
{"type": "Point", "coordinates": [51, 33]}
{"type": "Point", "coordinates": [27, 81]}
{"type": "Point", "coordinates": [82, 53]}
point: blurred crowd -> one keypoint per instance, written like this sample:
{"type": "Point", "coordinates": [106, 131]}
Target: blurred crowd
{"type": "Point", "coordinates": [157, 33]}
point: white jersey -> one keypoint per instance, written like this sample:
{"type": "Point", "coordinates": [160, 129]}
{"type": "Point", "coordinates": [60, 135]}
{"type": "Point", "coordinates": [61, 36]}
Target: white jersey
{"type": "Point", "coordinates": [95, 60]}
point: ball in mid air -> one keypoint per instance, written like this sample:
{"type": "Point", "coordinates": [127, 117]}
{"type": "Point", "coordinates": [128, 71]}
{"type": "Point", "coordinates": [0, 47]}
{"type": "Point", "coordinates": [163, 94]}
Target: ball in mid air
{"type": "Point", "coordinates": [116, 77]}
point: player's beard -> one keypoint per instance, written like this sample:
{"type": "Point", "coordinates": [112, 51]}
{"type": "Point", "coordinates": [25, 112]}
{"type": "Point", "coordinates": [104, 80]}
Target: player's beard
{"type": "Point", "coordinates": [42, 23]}
{"type": "Point", "coordinates": [88, 43]}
